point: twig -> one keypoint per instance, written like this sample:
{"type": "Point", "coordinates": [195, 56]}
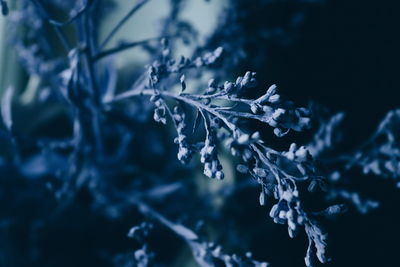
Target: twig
{"type": "Point", "coordinates": [59, 33]}
{"type": "Point", "coordinates": [122, 47]}
{"type": "Point", "coordinates": [72, 18]}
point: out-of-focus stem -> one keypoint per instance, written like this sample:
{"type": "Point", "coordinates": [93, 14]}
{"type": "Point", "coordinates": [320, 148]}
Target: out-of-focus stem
{"type": "Point", "coordinates": [135, 8]}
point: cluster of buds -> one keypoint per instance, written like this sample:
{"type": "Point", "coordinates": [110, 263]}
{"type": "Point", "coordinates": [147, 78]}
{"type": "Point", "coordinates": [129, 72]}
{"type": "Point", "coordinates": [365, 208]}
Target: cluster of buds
{"type": "Point", "coordinates": [160, 110]}
{"type": "Point", "coordinates": [270, 97]}
{"type": "Point", "coordinates": [302, 160]}
{"type": "Point", "coordinates": [239, 144]}
{"type": "Point", "coordinates": [157, 71]}
{"type": "Point", "coordinates": [300, 154]}
{"type": "Point", "coordinates": [209, 58]}
{"type": "Point", "coordinates": [316, 244]}
{"type": "Point", "coordinates": [210, 254]}
{"type": "Point", "coordinates": [140, 232]}
{"type": "Point", "coordinates": [382, 155]}
{"type": "Point", "coordinates": [184, 152]}
{"type": "Point", "coordinates": [317, 236]}
{"type": "Point", "coordinates": [247, 81]}
{"type": "Point", "coordinates": [143, 257]}
{"type": "Point", "coordinates": [279, 114]}
{"type": "Point", "coordinates": [175, 66]}
{"type": "Point", "coordinates": [161, 69]}
{"type": "Point", "coordinates": [287, 210]}
{"type": "Point", "coordinates": [209, 157]}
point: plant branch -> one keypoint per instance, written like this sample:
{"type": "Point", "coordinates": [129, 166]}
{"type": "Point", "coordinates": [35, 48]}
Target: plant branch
{"type": "Point", "coordinates": [40, 7]}
{"type": "Point", "coordinates": [77, 14]}
{"type": "Point", "coordinates": [122, 47]}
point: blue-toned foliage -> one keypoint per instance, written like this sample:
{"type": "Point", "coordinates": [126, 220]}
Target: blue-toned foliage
{"type": "Point", "coordinates": [87, 143]}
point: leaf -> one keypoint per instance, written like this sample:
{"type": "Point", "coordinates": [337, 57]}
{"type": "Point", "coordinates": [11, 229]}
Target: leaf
{"type": "Point", "coordinates": [6, 105]}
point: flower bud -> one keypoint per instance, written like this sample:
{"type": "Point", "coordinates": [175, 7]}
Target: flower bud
{"type": "Point", "coordinates": [242, 168]}
{"type": "Point", "coordinates": [228, 87]}
{"type": "Point", "coordinates": [212, 83]}
{"type": "Point", "coordinates": [274, 98]}
{"type": "Point", "coordinates": [262, 198]}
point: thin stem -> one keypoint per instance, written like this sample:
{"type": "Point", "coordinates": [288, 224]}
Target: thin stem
{"type": "Point", "coordinates": [206, 125]}
{"type": "Point", "coordinates": [245, 115]}
{"type": "Point", "coordinates": [64, 41]}
{"type": "Point", "coordinates": [122, 22]}
{"type": "Point", "coordinates": [90, 116]}
{"type": "Point", "coordinates": [267, 162]}
{"type": "Point", "coordinates": [223, 96]}
{"type": "Point", "coordinates": [88, 56]}
{"type": "Point", "coordinates": [171, 115]}
{"type": "Point", "coordinates": [187, 100]}
{"type": "Point", "coordinates": [202, 107]}
{"type": "Point", "coordinates": [185, 233]}
{"type": "Point", "coordinates": [73, 17]}
{"type": "Point", "coordinates": [122, 47]}
{"type": "Point", "coordinates": [178, 97]}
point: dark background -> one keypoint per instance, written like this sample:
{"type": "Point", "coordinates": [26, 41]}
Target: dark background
{"type": "Point", "coordinates": [346, 57]}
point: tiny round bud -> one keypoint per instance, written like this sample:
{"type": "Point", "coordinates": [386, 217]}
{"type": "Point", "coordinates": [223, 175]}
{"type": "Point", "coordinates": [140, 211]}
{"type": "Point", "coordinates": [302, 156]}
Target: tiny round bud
{"type": "Point", "coordinates": [278, 113]}
{"type": "Point", "coordinates": [279, 132]}
{"type": "Point", "coordinates": [282, 214]}
{"type": "Point", "coordinates": [255, 136]}
{"type": "Point", "coordinates": [154, 98]}
{"type": "Point", "coordinates": [206, 101]}
{"type": "Point", "coordinates": [242, 168]}
{"type": "Point", "coordinates": [260, 172]}
{"type": "Point", "coordinates": [254, 108]}
{"type": "Point", "coordinates": [292, 233]}
{"type": "Point", "coordinates": [219, 175]}
{"type": "Point", "coordinates": [243, 139]}
{"type": "Point", "coordinates": [274, 98]}
{"type": "Point", "coordinates": [164, 42]}
{"type": "Point", "coordinates": [212, 83]}
{"type": "Point", "coordinates": [228, 87]}
{"type": "Point", "coordinates": [262, 198]}
{"type": "Point", "coordinates": [211, 90]}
